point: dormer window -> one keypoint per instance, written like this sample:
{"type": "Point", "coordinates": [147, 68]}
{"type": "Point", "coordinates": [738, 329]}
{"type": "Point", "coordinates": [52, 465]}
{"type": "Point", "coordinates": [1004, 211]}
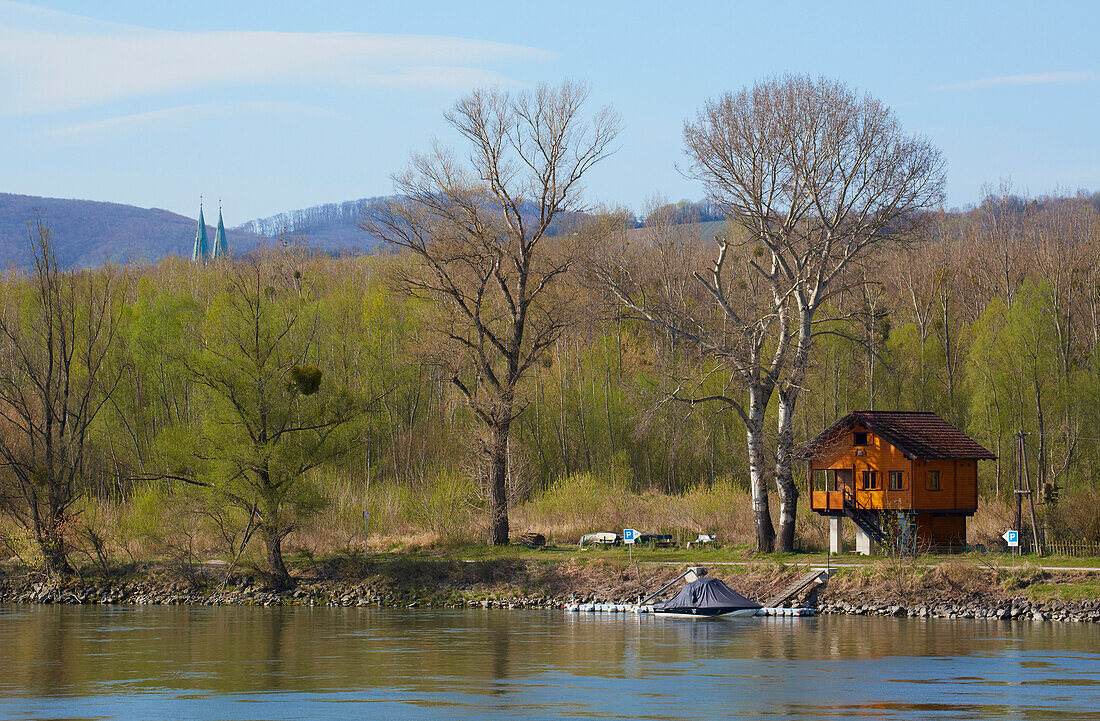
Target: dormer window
{"type": "Point", "coordinates": [861, 439]}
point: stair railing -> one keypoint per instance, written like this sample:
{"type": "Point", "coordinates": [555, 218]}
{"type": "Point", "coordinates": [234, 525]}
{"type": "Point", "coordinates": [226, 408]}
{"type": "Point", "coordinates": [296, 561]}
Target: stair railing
{"type": "Point", "coordinates": [865, 517]}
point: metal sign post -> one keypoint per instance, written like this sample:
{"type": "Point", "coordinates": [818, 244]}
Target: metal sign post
{"type": "Point", "coordinates": [1012, 538]}
{"type": "Point", "coordinates": [630, 536]}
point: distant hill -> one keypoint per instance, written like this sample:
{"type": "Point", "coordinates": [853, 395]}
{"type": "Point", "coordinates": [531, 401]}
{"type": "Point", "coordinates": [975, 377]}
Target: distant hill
{"type": "Point", "coordinates": [88, 232]}
{"type": "Point", "coordinates": [333, 226]}
{"type": "Point", "coordinates": [705, 232]}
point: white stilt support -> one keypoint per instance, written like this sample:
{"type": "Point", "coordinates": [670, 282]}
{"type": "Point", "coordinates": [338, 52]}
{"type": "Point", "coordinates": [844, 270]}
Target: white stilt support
{"type": "Point", "coordinates": [865, 546]}
{"type": "Point", "coordinates": [836, 534]}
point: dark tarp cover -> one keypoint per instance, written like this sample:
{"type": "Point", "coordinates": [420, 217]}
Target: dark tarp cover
{"type": "Point", "coordinates": [706, 594]}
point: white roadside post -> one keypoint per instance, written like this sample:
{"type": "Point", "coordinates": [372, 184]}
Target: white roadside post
{"type": "Point", "coordinates": [630, 535]}
{"type": "Point", "coordinates": [1012, 538]}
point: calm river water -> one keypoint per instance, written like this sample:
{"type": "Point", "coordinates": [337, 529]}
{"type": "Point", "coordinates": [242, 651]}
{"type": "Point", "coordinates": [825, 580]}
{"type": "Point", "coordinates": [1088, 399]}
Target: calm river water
{"type": "Point", "coordinates": [70, 662]}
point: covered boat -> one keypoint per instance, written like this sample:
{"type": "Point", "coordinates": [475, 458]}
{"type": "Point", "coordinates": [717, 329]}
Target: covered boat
{"type": "Point", "coordinates": [707, 597]}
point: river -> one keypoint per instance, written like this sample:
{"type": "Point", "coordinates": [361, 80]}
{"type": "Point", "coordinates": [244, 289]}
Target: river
{"type": "Point", "coordinates": [179, 662]}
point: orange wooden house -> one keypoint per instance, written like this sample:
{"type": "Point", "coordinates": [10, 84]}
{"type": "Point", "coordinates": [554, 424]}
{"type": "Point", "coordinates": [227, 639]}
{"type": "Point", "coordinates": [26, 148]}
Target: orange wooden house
{"type": "Point", "coordinates": [906, 477]}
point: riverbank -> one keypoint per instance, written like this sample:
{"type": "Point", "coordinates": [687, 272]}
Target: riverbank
{"type": "Point", "coordinates": [955, 588]}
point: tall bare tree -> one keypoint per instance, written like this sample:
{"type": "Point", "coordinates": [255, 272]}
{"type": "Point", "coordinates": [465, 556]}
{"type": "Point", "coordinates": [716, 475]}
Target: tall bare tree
{"type": "Point", "coordinates": [817, 176]}
{"type": "Point", "coordinates": [481, 235]}
{"type": "Point", "coordinates": [56, 331]}
{"type": "Point", "coordinates": [662, 275]}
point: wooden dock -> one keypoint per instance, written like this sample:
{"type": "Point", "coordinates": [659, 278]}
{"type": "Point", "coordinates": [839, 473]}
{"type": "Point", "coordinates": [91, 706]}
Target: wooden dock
{"type": "Point", "coordinates": [816, 577]}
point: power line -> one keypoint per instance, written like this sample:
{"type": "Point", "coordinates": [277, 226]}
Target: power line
{"type": "Point", "coordinates": [1060, 435]}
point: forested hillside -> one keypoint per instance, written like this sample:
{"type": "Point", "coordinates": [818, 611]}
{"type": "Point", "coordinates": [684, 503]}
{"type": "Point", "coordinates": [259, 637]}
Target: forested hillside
{"type": "Point", "coordinates": [338, 226]}
{"type": "Point", "coordinates": [88, 233]}
{"type": "Point", "coordinates": [333, 226]}
{"type": "Point", "coordinates": [990, 317]}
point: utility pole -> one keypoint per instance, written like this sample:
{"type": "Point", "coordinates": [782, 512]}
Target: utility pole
{"type": "Point", "coordinates": [1023, 485]}
{"type": "Point", "coordinates": [1018, 482]}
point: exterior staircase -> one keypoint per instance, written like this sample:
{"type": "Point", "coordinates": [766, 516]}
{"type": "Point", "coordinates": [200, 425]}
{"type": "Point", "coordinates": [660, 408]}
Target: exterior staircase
{"type": "Point", "coordinates": [867, 519]}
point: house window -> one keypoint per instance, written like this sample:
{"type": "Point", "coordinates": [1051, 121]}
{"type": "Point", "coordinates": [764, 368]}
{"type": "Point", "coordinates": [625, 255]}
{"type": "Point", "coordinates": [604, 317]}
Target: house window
{"type": "Point", "coordinates": [897, 480]}
{"type": "Point", "coordinates": [824, 479]}
{"type": "Point", "coordinates": [933, 480]}
{"type": "Point", "coordinates": [861, 439]}
{"type": "Point", "coordinates": [870, 480]}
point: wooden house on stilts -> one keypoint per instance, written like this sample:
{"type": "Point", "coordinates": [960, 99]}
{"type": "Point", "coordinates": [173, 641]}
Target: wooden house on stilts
{"type": "Point", "coordinates": [905, 477]}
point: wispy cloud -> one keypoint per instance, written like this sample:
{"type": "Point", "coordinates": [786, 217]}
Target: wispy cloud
{"type": "Point", "coordinates": [101, 129]}
{"type": "Point", "coordinates": [1029, 79]}
{"type": "Point", "coordinates": [51, 61]}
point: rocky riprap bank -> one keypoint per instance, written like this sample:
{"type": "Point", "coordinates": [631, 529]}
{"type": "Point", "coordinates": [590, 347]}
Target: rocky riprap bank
{"type": "Point", "coordinates": [366, 593]}
{"type": "Point", "coordinates": [305, 594]}
{"type": "Point", "coordinates": [1007, 610]}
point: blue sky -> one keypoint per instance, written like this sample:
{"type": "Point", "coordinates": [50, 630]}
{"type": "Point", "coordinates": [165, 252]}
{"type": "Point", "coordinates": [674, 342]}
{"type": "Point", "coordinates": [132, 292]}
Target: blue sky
{"type": "Point", "coordinates": [278, 105]}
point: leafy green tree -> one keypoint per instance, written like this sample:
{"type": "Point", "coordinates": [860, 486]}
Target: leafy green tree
{"type": "Point", "coordinates": [159, 329]}
{"type": "Point", "coordinates": [270, 414]}
{"type": "Point", "coordinates": [1014, 372]}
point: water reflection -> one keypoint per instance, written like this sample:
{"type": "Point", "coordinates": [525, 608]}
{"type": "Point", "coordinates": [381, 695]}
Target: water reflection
{"type": "Point", "coordinates": [200, 662]}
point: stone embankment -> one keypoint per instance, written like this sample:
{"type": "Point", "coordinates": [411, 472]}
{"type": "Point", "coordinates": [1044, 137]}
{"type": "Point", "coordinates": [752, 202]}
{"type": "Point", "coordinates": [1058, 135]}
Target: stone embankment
{"type": "Point", "coordinates": [1007, 610]}
{"type": "Point", "coordinates": [305, 594]}
{"type": "Point", "coordinates": [341, 594]}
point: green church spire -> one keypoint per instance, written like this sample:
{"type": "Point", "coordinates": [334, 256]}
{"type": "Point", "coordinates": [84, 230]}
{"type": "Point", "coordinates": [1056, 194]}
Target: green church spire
{"type": "Point", "coordinates": [221, 243]}
{"type": "Point", "coordinates": [201, 251]}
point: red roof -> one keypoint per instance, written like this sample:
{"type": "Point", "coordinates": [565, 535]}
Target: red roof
{"type": "Point", "coordinates": [917, 434]}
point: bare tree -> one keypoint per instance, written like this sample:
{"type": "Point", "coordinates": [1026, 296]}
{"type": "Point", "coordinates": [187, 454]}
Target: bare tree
{"type": "Point", "coordinates": [1058, 233]}
{"type": "Point", "coordinates": [817, 176]}
{"type": "Point", "coordinates": [916, 282]}
{"type": "Point", "coordinates": [999, 230]}
{"type": "Point", "coordinates": [661, 275]}
{"type": "Point", "coordinates": [55, 336]}
{"type": "Point", "coordinates": [482, 238]}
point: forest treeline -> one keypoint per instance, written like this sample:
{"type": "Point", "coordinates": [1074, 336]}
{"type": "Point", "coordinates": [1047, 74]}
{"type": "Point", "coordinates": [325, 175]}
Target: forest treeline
{"type": "Point", "coordinates": [290, 399]}
{"type": "Point", "coordinates": [992, 321]}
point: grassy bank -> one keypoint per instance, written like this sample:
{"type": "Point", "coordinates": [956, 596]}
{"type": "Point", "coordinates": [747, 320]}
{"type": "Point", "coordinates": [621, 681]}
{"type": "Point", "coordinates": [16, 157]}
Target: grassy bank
{"type": "Point", "coordinates": [447, 519]}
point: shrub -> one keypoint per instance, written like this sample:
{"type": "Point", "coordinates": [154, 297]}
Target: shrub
{"type": "Point", "coordinates": [1077, 515]}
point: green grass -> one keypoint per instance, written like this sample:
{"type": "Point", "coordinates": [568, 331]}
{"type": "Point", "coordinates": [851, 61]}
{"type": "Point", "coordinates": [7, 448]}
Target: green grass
{"type": "Point", "coordinates": [726, 554]}
{"type": "Point", "coordinates": [741, 554]}
{"type": "Point", "coordinates": [723, 554]}
{"type": "Point", "coordinates": [1069, 591]}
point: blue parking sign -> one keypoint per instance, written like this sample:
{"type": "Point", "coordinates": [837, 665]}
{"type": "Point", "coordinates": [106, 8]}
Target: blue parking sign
{"type": "Point", "coordinates": [630, 535]}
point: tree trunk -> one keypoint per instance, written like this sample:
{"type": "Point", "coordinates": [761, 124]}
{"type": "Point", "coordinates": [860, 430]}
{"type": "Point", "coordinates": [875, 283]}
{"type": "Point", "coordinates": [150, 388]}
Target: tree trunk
{"type": "Point", "coordinates": [52, 546]}
{"type": "Point", "coordinates": [754, 432]}
{"type": "Point", "coordinates": [784, 448]}
{"type": "Point", "coordinates": [498, 485]}
{"type": "Point", "coordinates": [280, 577]}
{"type": "Point", "coordinates": [784, 476]}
